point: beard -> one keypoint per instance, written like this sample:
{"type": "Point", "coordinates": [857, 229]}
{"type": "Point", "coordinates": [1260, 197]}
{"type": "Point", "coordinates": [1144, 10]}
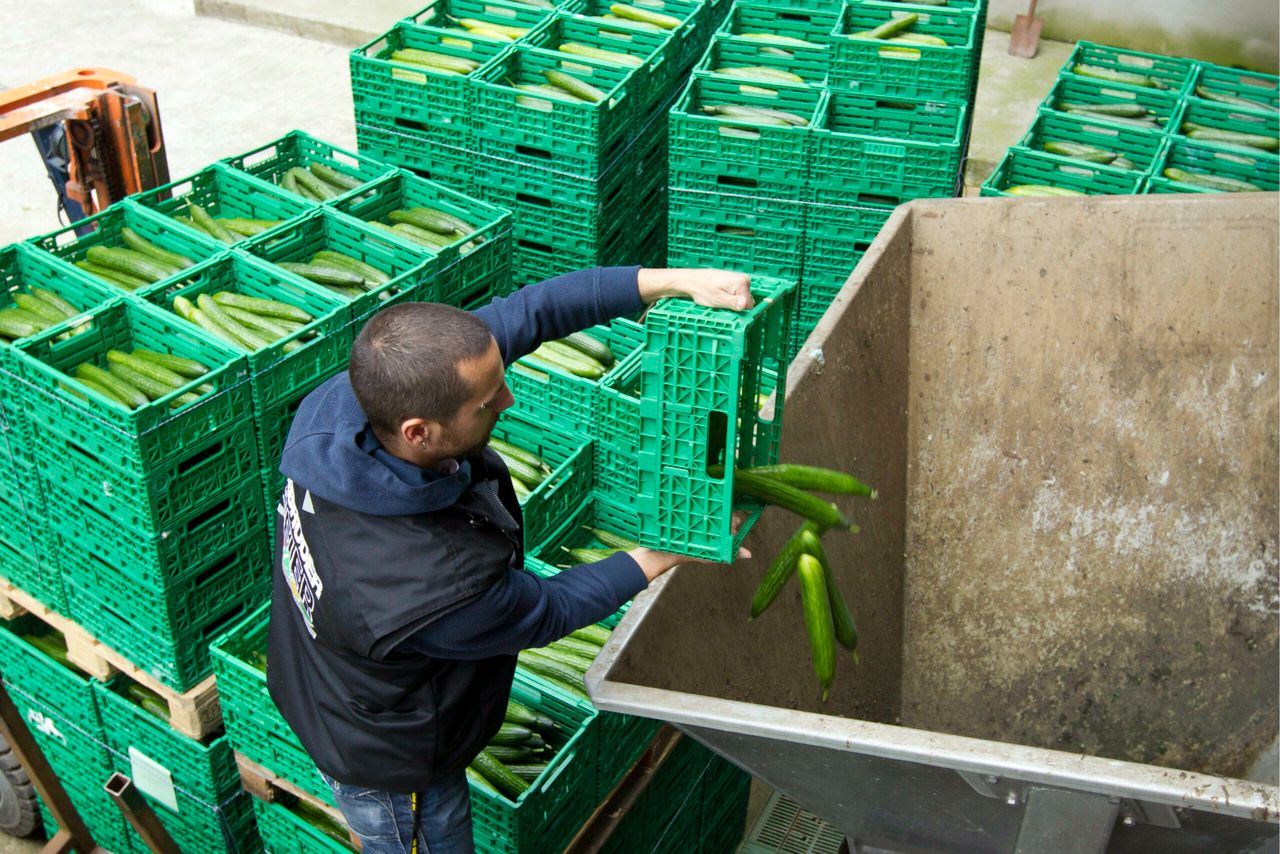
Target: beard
{"type": "Point", "coordinates": [460, 448]}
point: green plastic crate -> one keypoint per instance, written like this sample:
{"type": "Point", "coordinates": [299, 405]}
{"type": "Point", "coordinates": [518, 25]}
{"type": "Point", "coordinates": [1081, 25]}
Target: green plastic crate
{"type": "Point", "coordinates": [272, 423]}
{"type": "Point", "coordinates": [1073, 89]}
{"type": "Point", "coordinates": [155, 559]}
{"type": "Point", "coordinates": [284, 832]}
{"type": "Point", "coordinates": [223, 192]}
{"type": "Point", "coordinates": [1023, 166]}
{"type": "Point", "coordinates": [70, 247]}
{"type": "Point", "coordinates": [465, 263]}
{"type": "Point", "coordinates": [1262, 89]}
{"type": "Point", "coordinates": [651, 81]}
{"type": "Point", "coordinates": [384, 85]}
{"type": "Point", "coordinates": [175, 609]}
{"type": "Point", "coordinates": [911, 70]}
{"type": "Point", "coordinates": [440, 153]}
{"type": "Point", "coordinates": [254, 724]}
{"type": "Point", "coordinates": [540, 254]}
{"type": "Point", "coordinates": [728, 52]}
{"type": "Point", "coordinates": [442, 13]}
{"type": "Point", "coordinates": [686, 42]}
{"type": "Point", "coordinates": [29, 570]}
{"type": "Point", "coordinates": [271, 161]}
{"type": "Point", "coordinates": [412, 270]}
{"type": "Point", "coordinates": [1260, 169]}
{"type": "Point", "coordinates": [813, 25]}
{"type": "Point", "coordinates": [598, 510]}
{"type": "Point", "coordinates": [1226, 117]}
{"type": "Point", "coordinates": [24, 267]}
{"type": "Point", "coordinates": [732, 152]}
{"type": "Point", "coordinates": [569, 135]}
{"type": "Point", "coordinates": [561, 399]}
{"type": "Point", "coordinates": [568, 455]}
{"type": "Point", "coordinates": [702, 372]}
{"type": "Point", "coordinates": [835, 239]}
{"type": "Point", "coordinates": [106, 823]}
{"type": "Point", "coordinates": [618, 432]}
{"type": "Point", "coordinates": [667, 815]}
{"type": "Point", "coordinates": [895, 148]}
{"type": "Point", "coordinates": [45, 680]}
{"type": "Point", "coordinates": [752, 235]}
{"type": "Point", "coordinates": [1174, 74]}
{"type": "Point", "coordinates": [1142, 147]}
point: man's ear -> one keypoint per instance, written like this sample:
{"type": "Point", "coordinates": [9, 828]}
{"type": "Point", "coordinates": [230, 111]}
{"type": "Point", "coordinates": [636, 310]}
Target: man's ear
{"type": "Point", "coordinates": [420, 432]}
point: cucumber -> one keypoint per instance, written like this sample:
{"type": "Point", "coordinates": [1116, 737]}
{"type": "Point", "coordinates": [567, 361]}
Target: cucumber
{"type": "Point", "coordinates": [771, 491]}
{"type": "Point", "coordinates": [152, 371]}
{"type": "Point", "coordinates": [619, 21]}
{"type": "Point", "coordinates": [56, 302]}
{"type": "Point", "coordinates": [570, 656]}
{"type": "Point", "coordinates": [104, 391]}
{"type": "Point", "coordinates": [444, 62]}
{"type": "Point", "coordinates": [249, 227]}
{"type": "Point", "coordinates": [565, 659]}
{"type": "Point", "coordinates": [39, 308]}
{"type": "Point", "coordinates": [570, 355]}
{"type": "Point", "coordinates": [1040, 190]}
{"type": "Point", "coordinates": [1128, 78]}
{"type": "Point", "coordinates": [267, 307]}
{"type": "Point", "coordinates": [526, 474]}
{"type": "Point", "coordinates": [1210, 95]}
{"type": "Point", "coordinates": [129, 262]}
{"type": "Point", "coordinates": [321, 275]}
{"type": "Point", "coordinates": [310, 182]}
{"type": "Point", "coordinates": [609, 57]}
{"type": "Point", "coordinates": [845, 630]}
{"type": "Point", "coordinates": [574, 86]}
{"type": "Point", "coordinates": [178, 364]}
{"type": "Point", "coordinates": [138, 243]}
{"type": "Point", "coordinates": [510, 733]}
{"type": "Point", "coordinates": [546, 358]}
{"type": "Point", "coordinates": [565, 677]}
{"type": "Point", "coordinates": [511, 32]}
{"type": "Point", "coordinates": [327, 257]}
{"type": "Point", "coordinates": [127, 393]}
{"type": "Point", "coordinates": [1147, 123]}
{"type": "Point", "coordinates": [481, 781]}
{"type": "Point", "coordinates": [528, 772]}
{"type": "Point", "coordinates": [1132, 111]}
{"type": "Point", "coordinates": [201, 218]}
{"type": "Point", "coordinates": [53, 645]}
{"type": "Point", "coordinates": [817, 619]}
{"type": "Point", "coordinates": [332, 176]}
{"type": "Point", "coordinates": [583, 648]}
{"type": "Point", "coordinates": [509, 450]}
{"type": "Point", "coordinates": [226, 327]}
{"type": "Point", "coordinates": [506, 753]}
{"type": "Point", "coordinates": [523, 715]}
{"type": "Point", "coordinates": [114, 277]}
{"type": "Point", "coordinates": [780, 570]}
{"type": "Point", "coordinates": [1228, 137]}
{"type": "Point", "coordinates": [759, 73]}
{"type": "Point", "coordinates": [152, 388]}
{"type": "Point", "coordinates": [1123, 162]}
{"type": "Point", "coordinates": [813, 477]}
{"type": "Point", "coordinates": [423, 218]}
{"type": "Point", "coordinates": [16, 323]}
{"type": "Point", "coordinates": [891, 27]}
{"type": "Point", "coordinates": [590, 555]}
{"type": "Point", "coordinates": [778, 39]}
{"type": "Point", "coordinates": [645, 16]}
{"type": "Point", "coordinates": [612, 540]}
{"type": "Point", "coordinates": [762, 115]}
{"type": "Point", "coordinates": [919, 38]}
{"type": "Point", "coordinates": [1211, 182]}
{"type": "Point", "coordinates": [289, 181]}
{"type": "Point", "coordinates": [261, 324]}
{"type": "Point", "coordinates": [1079, 151]}
{"type": "Point", "coordinates": [596, 634]}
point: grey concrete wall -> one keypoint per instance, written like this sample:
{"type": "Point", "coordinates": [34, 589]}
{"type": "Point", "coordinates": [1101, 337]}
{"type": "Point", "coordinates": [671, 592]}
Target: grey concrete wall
{"type": "Point", "coordinates": [1241, 33]}
{"type": "Point", "coordinates": [1092, 510]}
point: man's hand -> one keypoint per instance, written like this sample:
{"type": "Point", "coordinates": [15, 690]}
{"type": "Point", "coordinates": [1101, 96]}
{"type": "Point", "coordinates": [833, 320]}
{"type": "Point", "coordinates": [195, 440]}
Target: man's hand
{"type": "Point", "coordinates": [654, 563]}
{"type": "Point", "coordinates": [712, 288]}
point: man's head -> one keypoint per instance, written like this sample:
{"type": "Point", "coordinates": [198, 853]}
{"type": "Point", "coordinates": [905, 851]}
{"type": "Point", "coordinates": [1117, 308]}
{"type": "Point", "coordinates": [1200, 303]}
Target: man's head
{"type": "Point", "coordinates": [430, 380]}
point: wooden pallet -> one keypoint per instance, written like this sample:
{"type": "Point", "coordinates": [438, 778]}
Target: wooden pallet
{"type": "Point", "coordinates": [194, 712]}
{"type": "Point", "coordinates": [270, 787]}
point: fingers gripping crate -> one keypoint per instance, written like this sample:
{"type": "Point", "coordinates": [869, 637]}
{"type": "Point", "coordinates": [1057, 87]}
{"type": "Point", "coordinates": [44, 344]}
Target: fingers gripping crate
{"type": "Point", "coordinates": [755, 21]}
{"type": "Point", "coordinates": [571, 135]}
{"type": "Point", "coordinates": [889, 147]}
{"type": "Point", "coordinates": [1199, 115]}
{"type": "Point", "coordinates": [1258, 168]}
{"type": "Point", "coordinates": [223, 193]}
{"type": "Point", "coordinates": [1172, 74]}
{"type": "Point", "coordinates": [108, 232]}
{"type": "Point", "coordinates": [1250, 89]}
{"type": "Point", "coordinates": [726, 53]}
{"type": "Point", "coordinates": [383, 84]}
{"type": "Point", "coordinates": [158, 453]}
{"type": "Point", "coordinates": [1141, 147]}
{"type": "Point", "coordinates": [1073, 93]}
{"type": "Point", "coordinates": [444, 14]}
{"type": "Point", "coordinates": [564, 487]}
{"type": "Point", "coordinates": [411, 273]}
{"type": "Point", "coordinates": [893, 68]}
{"type": "Point", "coordinates": [468, 260]}
{"type": "Point", "coordinates": [687, 40]}
{"type": "Point", "coordinates": [270, 162]}
{"type": "Point", "coordinates": [293, 359]}
{"type": "Point", "coordinates": [254, 724]}
{"type": "Point", "coordinates": [703, 372]}
{"type": "Point", "coordinates": [1022, 166]}
{"type": "Point", "coordinates": [561, 399]}
{"type": "Point", "coordinates": [732, 148]}
{"type": "Point", "coordinates": [655, 71]}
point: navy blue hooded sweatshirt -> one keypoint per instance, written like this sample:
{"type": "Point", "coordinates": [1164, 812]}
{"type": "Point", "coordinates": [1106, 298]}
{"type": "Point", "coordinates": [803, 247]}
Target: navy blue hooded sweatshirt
{"type": "Point", "coordinates": [399, 598]}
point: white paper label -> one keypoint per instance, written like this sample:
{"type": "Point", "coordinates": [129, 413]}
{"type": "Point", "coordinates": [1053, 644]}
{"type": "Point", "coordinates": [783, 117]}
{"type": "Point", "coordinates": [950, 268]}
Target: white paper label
{"type": "Point", "coordinates": [152, 779]}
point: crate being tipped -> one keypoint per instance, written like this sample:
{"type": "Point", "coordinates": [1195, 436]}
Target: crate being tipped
{"type": "Point", "coordinates": [705, 374]}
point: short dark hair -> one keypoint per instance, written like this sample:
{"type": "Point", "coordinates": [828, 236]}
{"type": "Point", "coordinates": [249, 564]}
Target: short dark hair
{"type": "Point", "coordinates": [404, 363]}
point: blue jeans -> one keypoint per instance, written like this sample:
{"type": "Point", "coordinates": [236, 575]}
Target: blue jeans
{"type": "Point", "coordinates": [384, 820]}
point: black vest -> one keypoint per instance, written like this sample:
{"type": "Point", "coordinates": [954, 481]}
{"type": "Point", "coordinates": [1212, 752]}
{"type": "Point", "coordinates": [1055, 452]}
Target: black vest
{"type": "Point", "coordinates": [347, 588]}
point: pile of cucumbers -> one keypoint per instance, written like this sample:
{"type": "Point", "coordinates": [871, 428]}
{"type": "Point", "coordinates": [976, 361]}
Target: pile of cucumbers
{"type": "Point", "coordinates": [337, 273]}
{"type": "Point", "coordinates": [826, 615]}
{"type": "Point", "coordinates": [1089, 154]}
{"type": "Point", "coordinates": [895, 30]}
{"type": "Point", "coordinates": [34, 310]}
{"type": "Point", "coordinates": [224, 229]}
{"type": "Point", "coordinates": [1210, 95]}
{"type": "Point", "coordinates": [429, 227]}
{"type": "Point", "coordinates": [245, 322]}
{"type": "Point", "coordinates": [638, 18]}
{"type": "Point", "coordinates": [562, 87]}
{"type": "Point", "coordinates": [134, 379]}
{"type": "Point", "coordinates": [1255, 141]}
{"type": "Point", "coordinates": [492, 30]}
{"type": "Point", "coordinates": [1207, 181]}
{"type": "Point", "coordinates": [434, 61]}
{"type": "Point", "coordinates": [517, 754]}
{"type": "Point", "coordinates": [580, 354]}
{"type": "Point", "coordinates": [527, 469]}
{"type": "Point", "coordinates": [564, 662]}
{"type": "Point", "coordinates": [1112, 75]}
{"type": "Point", "coordinates": [137, 263]}
{"type": "Point", "coordinates": [317, 182]}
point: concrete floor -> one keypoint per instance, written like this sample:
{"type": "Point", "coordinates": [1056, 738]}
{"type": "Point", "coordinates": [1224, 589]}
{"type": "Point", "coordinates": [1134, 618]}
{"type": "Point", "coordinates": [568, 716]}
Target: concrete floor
{"type": "Point", "coordinates": [242, 72]}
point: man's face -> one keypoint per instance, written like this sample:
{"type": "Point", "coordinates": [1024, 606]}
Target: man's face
{"type": "Point", "coordinates": [469, 431]}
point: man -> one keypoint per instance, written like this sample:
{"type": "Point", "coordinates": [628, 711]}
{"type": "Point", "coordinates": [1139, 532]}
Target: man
{"type": "Point", "coordinates": [399, 602]}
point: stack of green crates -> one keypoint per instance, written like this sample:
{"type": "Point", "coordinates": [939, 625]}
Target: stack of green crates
{"type": "Point", "coordinates": [584, 181]}
{"type": "Point", "coordinates": [1147, 114]}
{"type": "Point", "coordinates": [862, 130]}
